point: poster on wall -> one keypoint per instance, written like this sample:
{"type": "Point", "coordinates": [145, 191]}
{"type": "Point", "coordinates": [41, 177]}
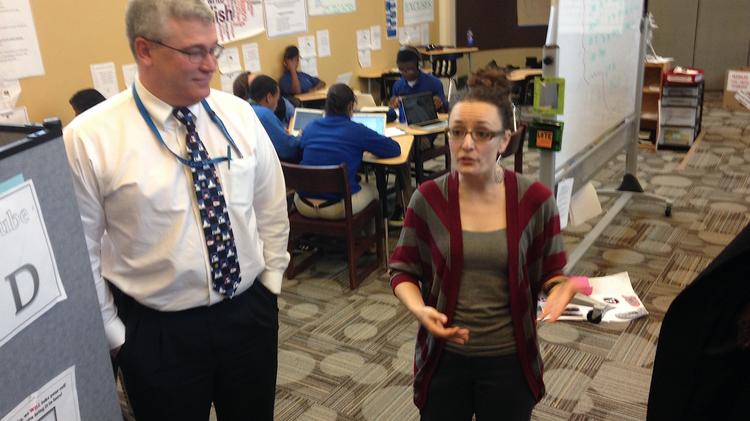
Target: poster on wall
{"type": "Point", "coordinates": [284, 17]}
{"type": "Point", "coordinates": [32, 280]}
{"type": "Point", "coordinates": [533, 12]}
{"type": "Point", "coordinates": [237, 19]}
{"type": "Point", "coordinates": [391, 19]}
{"type": "Point", "coordinates": [330, 7]}
{"type": "Point", "coordinates": [19, 47]}
{"type": "Point", "coordinates": [418, 11]}
{"type": "Point", "coordinates": [56, 400]}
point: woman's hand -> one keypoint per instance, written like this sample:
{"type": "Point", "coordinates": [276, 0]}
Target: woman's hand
{"type": "Point", "coordinates": [559, 298]}
{"type": "Point", "coordinates": [290, 65]}
{"type": "Point", "coordinates": [434, 321]}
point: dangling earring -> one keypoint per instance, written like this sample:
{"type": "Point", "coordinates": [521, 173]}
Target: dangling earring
{"type": "Point", "coordinates": [499, 170]}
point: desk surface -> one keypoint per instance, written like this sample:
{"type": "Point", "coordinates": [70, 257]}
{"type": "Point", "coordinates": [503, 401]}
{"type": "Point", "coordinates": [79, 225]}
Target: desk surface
{"type": "Point", "coordinates": [404, 141]}
{"type": "Point", "coordinates": [421, 132]}
{"type": "Point", "coordinates": [318, 95]}
{"type": "Point", "coordinates": [521, 74]}
{"type": "Point", "coordinates": [446, 51]}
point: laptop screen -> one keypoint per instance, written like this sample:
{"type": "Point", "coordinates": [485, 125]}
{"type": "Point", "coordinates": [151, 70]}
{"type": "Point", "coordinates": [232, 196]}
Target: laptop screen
{"type": "Point", "coordinates": [375, 121]}
{"type": "Point", "coordinates": [418, 108]}
{"type": "Point", "coordinates": [303, 117]}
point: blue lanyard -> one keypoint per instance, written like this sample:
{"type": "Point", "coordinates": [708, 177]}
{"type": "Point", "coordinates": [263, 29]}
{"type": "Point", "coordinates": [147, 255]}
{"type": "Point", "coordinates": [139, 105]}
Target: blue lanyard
{"type": "Point", "coordinates": [215, 118]}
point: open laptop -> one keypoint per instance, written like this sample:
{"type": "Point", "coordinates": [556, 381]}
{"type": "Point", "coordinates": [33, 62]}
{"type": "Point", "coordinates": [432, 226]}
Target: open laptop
{"type": "Point", "coordinates": [375, 121]}
{"type": "Point", "coordinates": [302, 117]}
{"type": "Point", "coordinates": [419, 110]}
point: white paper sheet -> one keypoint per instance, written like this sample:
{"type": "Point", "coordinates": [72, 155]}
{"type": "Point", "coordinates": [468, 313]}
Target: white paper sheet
{"type": "Point", "coordinates": [363, 39]}
{"type": "Point", "coordinates": [10, 91]}
{"type": "Point", "coordinates": [306, 45]}
{"type": "Point", "coordinates": [105, 79]}
{"type": "Point", "coordinates": [251, 57]}
{"type": "Point", "coordinates": [365, 58]}
{"type": "Point", "coordinates": [55, 401]}
{"type": "Point", "coordinates": [28, 264]}
{"type": "Point", "coordinates": [19, 47]}
{"type": "Point", "coordinates": [584, 205]}
{"type": "Point", "coordinates": [403, 38]}
{"type": "Point", "coordinates": [284, 17]}
{"type": "Point", "coordinates": [128, 74]}
{"type": "Point", "coordinates": [229, 62]}
{"type": "Point", "coordinates": [418, 11]}
{"type": "Point", "coordinates": [424, 33]}
{"type": "Point", "coordinates": [324, 43]}
{"type": "Point", "coordinates": [15, 116]}
{"type": "Point", "coordinates": [375, 37]}
{"type": "Point", "coordinates": [237, 19]}
{"type": "Point", "coordinates": [227, 81]}
{"type": "Point", "coordinates": [564, 194]}
{"type": "Point", "coordinates": [331, 7]}
{"type": "Point", "coordinates": [344, 78]}
{"type": "Point", "coordinates": [616, 291]}
{"type": "Point", "coordinates": [309, 65]}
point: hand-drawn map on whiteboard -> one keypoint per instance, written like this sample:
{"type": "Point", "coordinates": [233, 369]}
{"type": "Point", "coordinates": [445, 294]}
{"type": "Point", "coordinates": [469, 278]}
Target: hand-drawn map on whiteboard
{"type": "Point", "coordinates": [330, 7]}
{"type": "Point", "coordinates": [237, 19]}
{"type": "Point", "coordinates": [599, 43]}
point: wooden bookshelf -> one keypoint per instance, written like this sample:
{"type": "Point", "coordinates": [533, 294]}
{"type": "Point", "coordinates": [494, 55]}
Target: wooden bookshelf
{"type": "Point", "coordinates": [653, 81]}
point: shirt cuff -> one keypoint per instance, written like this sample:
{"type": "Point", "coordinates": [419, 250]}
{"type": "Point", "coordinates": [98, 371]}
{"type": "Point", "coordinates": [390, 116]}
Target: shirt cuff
{"type": "Point", "coordinates": [114, 330]}
{"type": "Point", "coordinates": [271, 279]}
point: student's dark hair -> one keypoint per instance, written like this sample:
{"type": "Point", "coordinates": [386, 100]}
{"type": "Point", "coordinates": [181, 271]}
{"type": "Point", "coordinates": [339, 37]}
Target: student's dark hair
{"type": "Point", "coordinates": [241, 87]}
{"type": "Point", "coordinates": [338, 100]}
{"type": "Point", "coordinates": [85, 99]}
{"type": "Point", "coordinates": [407, 54]}
{"type": "Point", "coordinates": [490, 86]}
{"type": "Point", "coordinates": [262, 85]}
{"type": "Point", "coordinates": [291, 52]}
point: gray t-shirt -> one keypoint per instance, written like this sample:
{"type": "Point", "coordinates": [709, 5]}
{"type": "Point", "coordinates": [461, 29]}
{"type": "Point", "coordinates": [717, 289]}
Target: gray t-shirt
{"type": "Point", "coordinates": [483, 301]}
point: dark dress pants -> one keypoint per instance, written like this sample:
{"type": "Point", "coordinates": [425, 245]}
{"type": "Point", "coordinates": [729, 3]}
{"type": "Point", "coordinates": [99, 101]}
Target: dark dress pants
{"type": "Point", "coordinates": [175, 364]}
{"type": "Point", "coordinates": [493, 388]}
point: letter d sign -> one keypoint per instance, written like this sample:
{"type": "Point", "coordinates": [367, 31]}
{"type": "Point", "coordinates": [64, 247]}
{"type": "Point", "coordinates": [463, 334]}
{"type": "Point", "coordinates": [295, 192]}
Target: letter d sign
{"type": "Point", "coordinates": [13, 280]}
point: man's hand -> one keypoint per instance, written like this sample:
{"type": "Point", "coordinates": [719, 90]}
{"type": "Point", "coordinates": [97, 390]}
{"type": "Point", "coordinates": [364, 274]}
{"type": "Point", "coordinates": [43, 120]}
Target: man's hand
{"type": "Point", "coordinates": [393, 103]}
{"type": "Point", "coordinates": [438, 103]}
{"type": "Point", "coordinates": [434, 321]}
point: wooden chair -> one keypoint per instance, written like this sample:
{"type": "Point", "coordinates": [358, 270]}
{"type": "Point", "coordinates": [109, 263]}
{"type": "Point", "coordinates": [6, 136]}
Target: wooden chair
{"type": "Point", "coordinates": [333, 179]}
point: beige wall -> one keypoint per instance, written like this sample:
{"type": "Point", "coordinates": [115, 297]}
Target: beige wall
{"type": "Point", "coordinates": [74, 35]}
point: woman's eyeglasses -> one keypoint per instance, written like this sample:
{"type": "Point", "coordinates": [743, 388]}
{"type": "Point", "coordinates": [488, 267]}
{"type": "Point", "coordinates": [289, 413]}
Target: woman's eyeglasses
{"type": "Point", "coordinates": [479, 136]}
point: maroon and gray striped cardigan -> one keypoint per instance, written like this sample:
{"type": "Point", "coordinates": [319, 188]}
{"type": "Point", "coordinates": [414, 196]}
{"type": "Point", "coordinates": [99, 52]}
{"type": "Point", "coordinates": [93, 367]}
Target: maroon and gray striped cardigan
{"type": "Point", "coordinates": [430, 254]}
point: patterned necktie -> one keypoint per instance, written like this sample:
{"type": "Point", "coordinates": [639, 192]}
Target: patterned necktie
{"type": "Point", "coordinates": [222, 254]}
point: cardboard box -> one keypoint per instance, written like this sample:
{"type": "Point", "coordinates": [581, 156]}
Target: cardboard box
{"type": "Point", "coordinates": [737, 80]}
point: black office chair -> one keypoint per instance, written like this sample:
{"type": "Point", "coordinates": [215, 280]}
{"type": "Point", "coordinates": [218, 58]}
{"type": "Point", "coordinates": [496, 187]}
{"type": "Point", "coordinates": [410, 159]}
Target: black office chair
{"type": "Point", "coordinates": [445, 67]}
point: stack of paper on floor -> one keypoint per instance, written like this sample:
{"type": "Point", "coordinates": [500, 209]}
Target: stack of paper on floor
{"type": "Point", "coordinates": [616, 292]}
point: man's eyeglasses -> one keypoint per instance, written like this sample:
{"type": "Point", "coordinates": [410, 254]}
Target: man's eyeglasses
{"type": "Point", "coordinates": [195, 55]}
{"type": "Point", "coordinates": [479, 136]}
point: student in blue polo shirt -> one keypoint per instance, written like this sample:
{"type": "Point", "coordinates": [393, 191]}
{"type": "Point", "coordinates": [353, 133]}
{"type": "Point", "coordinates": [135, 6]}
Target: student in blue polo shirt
{"type": "Point", "coordinates": [264, 97]}
{"type": "Point", "coordinates": [415, 81]}
{"type": "Point", "coordinates": [294, 82]}
{"type": "Point", "coordinates": [241, 88]}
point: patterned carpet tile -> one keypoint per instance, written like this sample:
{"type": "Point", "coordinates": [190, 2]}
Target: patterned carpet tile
{"type": "Point", "coordinates": [682, 268]}
{"type": "Point", "coordinates": [619, 392]}
{"type": "Point", "coordinates": [567, 374]}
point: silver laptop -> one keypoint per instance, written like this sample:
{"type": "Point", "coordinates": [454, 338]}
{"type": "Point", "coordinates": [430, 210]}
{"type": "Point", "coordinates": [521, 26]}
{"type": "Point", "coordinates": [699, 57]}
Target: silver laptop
{"type": "Point", "coordinates": [375, 121]}
{"type": "Point", "coordinates": [420, 113]}
{"type": "Point", "coordinates": [302, 117]}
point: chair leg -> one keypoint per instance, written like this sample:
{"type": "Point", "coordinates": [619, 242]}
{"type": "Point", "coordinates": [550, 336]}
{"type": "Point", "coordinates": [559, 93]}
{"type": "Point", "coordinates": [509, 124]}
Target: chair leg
{"type": "Point", "coordinates": [352, 258]}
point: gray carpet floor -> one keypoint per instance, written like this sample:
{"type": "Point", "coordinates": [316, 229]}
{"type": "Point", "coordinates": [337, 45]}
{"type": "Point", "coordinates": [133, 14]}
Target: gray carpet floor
{"type": "Point", "coordinates": [347, 355]}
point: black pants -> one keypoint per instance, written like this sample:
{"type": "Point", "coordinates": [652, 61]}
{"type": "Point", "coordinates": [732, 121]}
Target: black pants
{"type": "Point", "coordinates": [493, 388]}
{"type": "Point", "coordinates": [175, 364]}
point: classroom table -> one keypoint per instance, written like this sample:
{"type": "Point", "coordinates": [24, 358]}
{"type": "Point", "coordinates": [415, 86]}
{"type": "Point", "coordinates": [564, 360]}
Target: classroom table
{"type": "Point", "coordinates": [449, 51]}
{"type": "Point", "coordinates": [312, 96]}
{"type": "Point", "coordinates": [399, 163]}
{"type": "Point", "coordinates": [419, 156]}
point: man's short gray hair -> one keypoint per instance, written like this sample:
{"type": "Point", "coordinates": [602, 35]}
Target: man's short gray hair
{"type": "Point", "coordinates": [148, 18]}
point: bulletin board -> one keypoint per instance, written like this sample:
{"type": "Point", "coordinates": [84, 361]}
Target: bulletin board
{"type": "Point", "coordinates": [72, 37]}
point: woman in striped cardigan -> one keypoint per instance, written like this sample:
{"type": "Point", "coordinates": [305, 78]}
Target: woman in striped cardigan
{"type": "Point", "coordinates": [476, 248]}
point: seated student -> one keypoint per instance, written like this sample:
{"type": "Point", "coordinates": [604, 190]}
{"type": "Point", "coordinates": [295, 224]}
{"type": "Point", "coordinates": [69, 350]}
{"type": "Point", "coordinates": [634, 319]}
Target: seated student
{"type": "Point", "coordinates": [264, 96]}
{"type": "Point", "coordinates": [85, 99]}
{"type": "Point", "coordinates": [294, 82]}
{"type": "Point", "coordinates": [414, 81]}
{"type": "Point", "coordinates": [241, 88]}
{"type": "Point", "coordinates": [334, 139]}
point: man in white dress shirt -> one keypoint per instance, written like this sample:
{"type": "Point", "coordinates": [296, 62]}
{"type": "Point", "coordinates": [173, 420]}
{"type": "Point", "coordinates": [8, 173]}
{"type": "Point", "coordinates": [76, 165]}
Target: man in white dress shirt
{"type": "Point", "coordinates": [198, 319]}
